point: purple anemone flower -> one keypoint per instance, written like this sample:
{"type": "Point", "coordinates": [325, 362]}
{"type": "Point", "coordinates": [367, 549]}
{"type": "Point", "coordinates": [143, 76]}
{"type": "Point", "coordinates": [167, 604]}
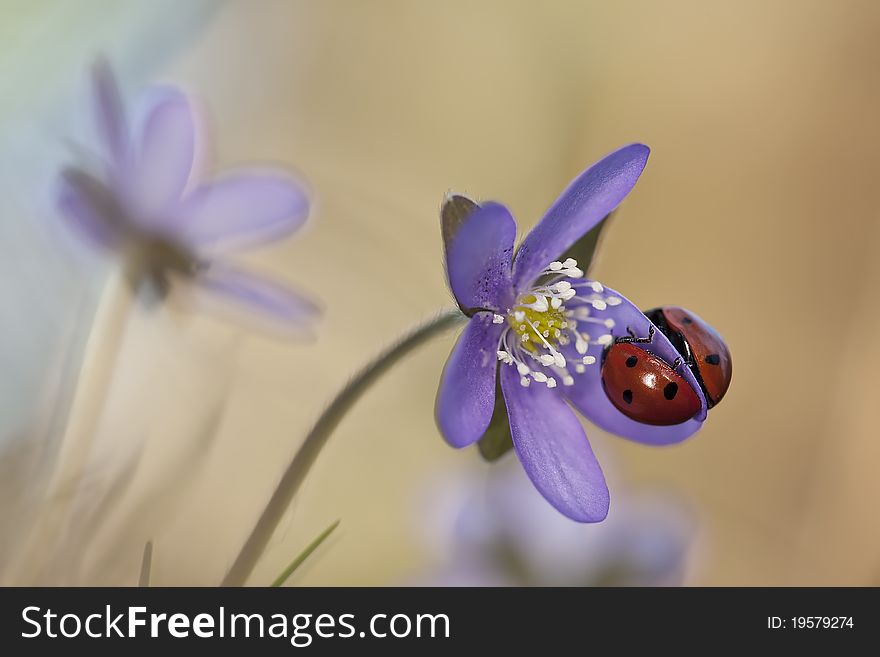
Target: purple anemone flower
{"type": "Point", "coordinates": [536, 314]}
{"type": "Point", "coordinates": [498, 531]}
{"type": "Point", "coordinates": [145, 201]}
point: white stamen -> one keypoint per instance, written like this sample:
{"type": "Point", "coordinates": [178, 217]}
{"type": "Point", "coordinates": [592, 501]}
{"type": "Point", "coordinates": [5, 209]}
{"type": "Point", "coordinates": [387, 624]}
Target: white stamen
{"type": "Point", "coordinates": [569, 263]}
{"type": "Point", "coordinates": [536, 325]}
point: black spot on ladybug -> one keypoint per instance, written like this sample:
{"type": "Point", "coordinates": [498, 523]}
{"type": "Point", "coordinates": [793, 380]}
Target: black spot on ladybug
{"type": "Point", "coordinates": [670, 390]}
{"type": "Point", "coordinates": [631, 361]}
{"type": "Point", "coordinates": [687, 320]}
{"type": "Point", "coordinates": [713, 359]}
{"type": "Point", "coordinates": [628, 396]}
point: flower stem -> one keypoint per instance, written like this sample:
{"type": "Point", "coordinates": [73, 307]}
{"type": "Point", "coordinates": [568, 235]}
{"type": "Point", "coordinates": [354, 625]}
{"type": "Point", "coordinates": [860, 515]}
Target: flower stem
{"type": "Point", "coordinates": [322, 429]}
{"type": "Point", "coordinates": [88, 402]}
{"type": "Point", "coordinates": [146, 565]}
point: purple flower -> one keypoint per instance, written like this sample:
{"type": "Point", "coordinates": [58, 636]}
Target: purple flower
{"type": "Point", "coordinates": [547, 325]}
{"type": "Point", "coordinates": [144, 200]}
{"type": "Point", "coordinates": [498, 531]}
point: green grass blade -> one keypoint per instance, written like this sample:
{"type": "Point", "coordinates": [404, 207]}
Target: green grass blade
{"type": "Point", "coordinates": [311, 547]}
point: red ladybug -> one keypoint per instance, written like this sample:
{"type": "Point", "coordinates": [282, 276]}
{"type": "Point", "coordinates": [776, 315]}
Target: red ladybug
{"type": "Point", "coordinates": [700, 346]}
{"type": "Point", "coordinates": [644, 387]}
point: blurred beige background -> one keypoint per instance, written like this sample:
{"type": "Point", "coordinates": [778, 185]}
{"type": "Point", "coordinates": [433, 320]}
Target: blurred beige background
{"type": "Point", "coordinates": [756, 210]}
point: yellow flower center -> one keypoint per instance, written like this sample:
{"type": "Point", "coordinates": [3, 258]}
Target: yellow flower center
{"type": "Point", "coordinates": [535, 328]}
{"type": "Point", "coordinates": [540, 326]}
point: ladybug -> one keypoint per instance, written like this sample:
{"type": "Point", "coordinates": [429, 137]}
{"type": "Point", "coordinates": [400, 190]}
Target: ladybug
{"type": "Point", "coordinates": [702, 348]}
{"type": "Point", "coordinates": [643, 386]}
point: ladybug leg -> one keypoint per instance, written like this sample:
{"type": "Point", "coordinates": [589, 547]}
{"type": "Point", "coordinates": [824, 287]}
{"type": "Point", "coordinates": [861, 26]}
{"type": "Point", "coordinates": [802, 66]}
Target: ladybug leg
{"type": "Point", "coordinates": [677, 363]}
{"type": "Point", "coordinates": [633, 338]}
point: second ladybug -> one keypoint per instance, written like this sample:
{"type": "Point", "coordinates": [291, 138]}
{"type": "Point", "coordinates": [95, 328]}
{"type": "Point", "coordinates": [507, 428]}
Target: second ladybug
{"type": "Point", "coordinates": [644, 387]}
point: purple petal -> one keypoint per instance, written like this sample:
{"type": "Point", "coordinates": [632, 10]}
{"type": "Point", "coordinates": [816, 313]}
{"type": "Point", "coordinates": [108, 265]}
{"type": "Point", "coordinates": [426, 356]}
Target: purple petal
{"type": "Point", "coordinates": [256, 293]}
{"type": "Point", "coordinates": [242, 210]}
{"type": "Point", "coordinates": [466, 397]}
{"type": "Point", "coordinates": [478, 259]}
{"type": "Point", "coordinates": [554, 449]}
{"type": "Point", "coordinates": [110, 121]}
{"type": "Point", "coordinates": [79, 202]}
{"type": "Point", "coordinates": [589, 398]}
{"type": "Point", "coordinates": [586, 201]}
{"type": "Point", "coordinates": [165, 154]}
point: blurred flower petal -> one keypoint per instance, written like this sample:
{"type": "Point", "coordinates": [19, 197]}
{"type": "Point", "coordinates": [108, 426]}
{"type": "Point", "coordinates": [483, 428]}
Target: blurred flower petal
{"type": "Point", "coordinates": [554, 450]}
{"type": "Point", "coordinates": [466, 397]}
{"type": "Point", "coordinates": [494, 528]}
{"type": "Point", "coordinates": [256, 293]}
{"type": "Point", "coordinates": [165, 154]}
{"type": "Point", "coordinates": [110, 121]}
{"type": "Point", "coordinates": [242, 210]}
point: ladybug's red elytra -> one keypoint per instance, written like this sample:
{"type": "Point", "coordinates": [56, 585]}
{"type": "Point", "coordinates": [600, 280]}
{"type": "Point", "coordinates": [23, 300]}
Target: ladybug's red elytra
{"type": "Point", "coordinates": [702, 348]}
{"type": "Point", "coordinates": [644, 387]}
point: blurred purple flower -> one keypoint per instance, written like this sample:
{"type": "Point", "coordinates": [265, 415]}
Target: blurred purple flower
{"type": "Point", "coordinates": [146, 202]}
{"type": "Point", "coordinates": [502, 533]}
{"type": "Point", "coordinates": [547, 325]}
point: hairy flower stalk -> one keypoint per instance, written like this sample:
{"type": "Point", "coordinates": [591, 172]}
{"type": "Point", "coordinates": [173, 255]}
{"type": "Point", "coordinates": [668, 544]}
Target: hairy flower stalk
{"type": "Point", "coordinates": [92, 388]}
{"type": "Point", "coordinates": [305, 456]}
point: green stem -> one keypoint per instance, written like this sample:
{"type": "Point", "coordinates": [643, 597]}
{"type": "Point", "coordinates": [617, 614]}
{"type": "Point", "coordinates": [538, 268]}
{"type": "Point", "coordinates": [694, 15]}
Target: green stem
{"type": "Point", "coordinates": [322, 429]}
{"type": "Point", "coordinates": [305, 554]}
